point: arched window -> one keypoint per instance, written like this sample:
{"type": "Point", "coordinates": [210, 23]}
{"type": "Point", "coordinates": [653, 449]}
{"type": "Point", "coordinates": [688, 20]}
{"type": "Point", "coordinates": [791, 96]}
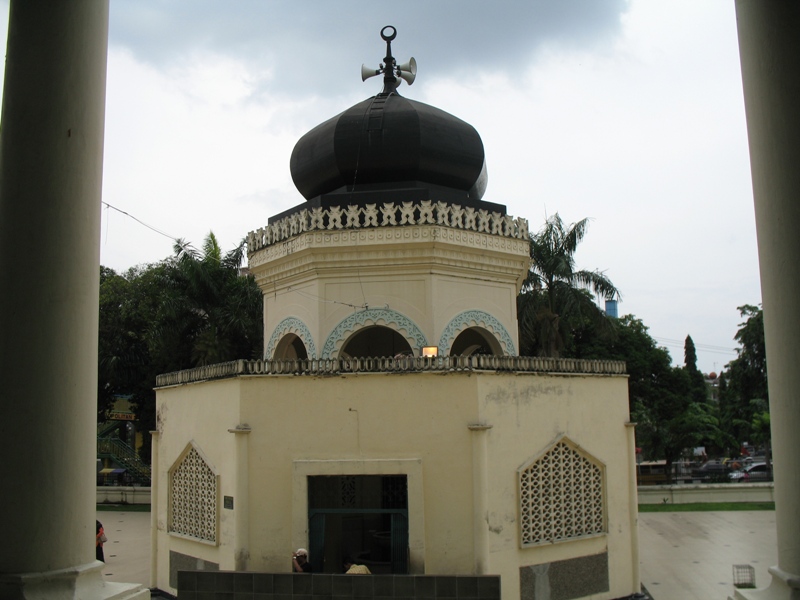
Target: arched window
{"type": "Point", "coordinates": [487, 333]}
{"type": "Point", "coordinates": [475, 340]}
{"type": "Point", "coordinates": [290, 347]}
{"type": "Point", "coordinates": [193, 487]}
{"type": "Point", "coordinates": [561, 496]}
{"type": "Point", "coordinates": [374, 342]}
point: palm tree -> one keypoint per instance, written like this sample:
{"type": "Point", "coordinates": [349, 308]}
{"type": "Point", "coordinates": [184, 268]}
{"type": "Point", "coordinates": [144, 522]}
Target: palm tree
{"type": "Point", "coordinates": [556, 298]}
{"type": "Point", "coordinates": [215, 306]}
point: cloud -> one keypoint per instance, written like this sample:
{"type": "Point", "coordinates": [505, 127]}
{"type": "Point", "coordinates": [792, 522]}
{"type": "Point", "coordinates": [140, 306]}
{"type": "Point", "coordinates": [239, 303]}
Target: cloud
{"type": "Point", "coordinates": [310, 47]}
{"type": "Point", "coordinates": [630, 113]}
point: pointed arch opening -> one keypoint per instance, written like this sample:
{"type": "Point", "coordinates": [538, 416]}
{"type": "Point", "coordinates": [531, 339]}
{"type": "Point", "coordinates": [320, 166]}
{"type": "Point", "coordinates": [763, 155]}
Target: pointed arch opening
{"type": "Point", "coordinates": [562, 495]}
{"type": "Point", "coordinates": [193, 497]}
{"type": "Point", "coordinates": [476, 341]}
{"type": "Point", "coordinates": [290, 339]}
{"type": "Point", "coordinates": [290, 347]}
{"type": "Point", "coordinates": [374, 342]}
{"type": "Point", "coordinates": [487, 326]}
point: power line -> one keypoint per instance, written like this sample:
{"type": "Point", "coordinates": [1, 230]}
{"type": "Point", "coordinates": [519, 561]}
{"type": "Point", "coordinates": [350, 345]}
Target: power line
{"type": "Point", "coordinates": [702, 347]}
{"type": "Point", "coordinates": [172, 237]}
{"type": "Point", "coordinates": [186, 245]}
{"type": "Point", "coordinates": [696, 345]}
{"type": "Point", "coordinates": [364, 306]}
{"type": "Point", "coordinates": [179, 241]}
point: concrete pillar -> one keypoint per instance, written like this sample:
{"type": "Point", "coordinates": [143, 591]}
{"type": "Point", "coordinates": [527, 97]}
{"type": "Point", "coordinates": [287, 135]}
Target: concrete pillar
{"type": "Point", "coordinates": [633, 499]}
{"type": "Point", "coordinates": [51, 150]}
{"type": "Point", "coordinates": [241, 507]}
{"type": "Point", "coordinates": [480, 497]}
{"type": "Point", "coordinates": [155, 502]}
{"type": "Point", "coordinates": [769, 46]}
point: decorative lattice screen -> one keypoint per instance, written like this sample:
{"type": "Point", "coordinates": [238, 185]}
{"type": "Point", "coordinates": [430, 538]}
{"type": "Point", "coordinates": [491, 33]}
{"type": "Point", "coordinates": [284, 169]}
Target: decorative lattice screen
{"type": "Point", "coordinates": [193, 498]}
{"type": "Point", "coordinates": [561, 497]}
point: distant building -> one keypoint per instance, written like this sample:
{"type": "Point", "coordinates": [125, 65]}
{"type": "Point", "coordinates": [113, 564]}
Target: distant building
{"type": "Point", "coordinates": [612, 308]}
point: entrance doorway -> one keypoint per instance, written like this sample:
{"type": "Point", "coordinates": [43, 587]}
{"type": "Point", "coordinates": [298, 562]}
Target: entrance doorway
{"type": "Point", "coordinates": [361, 516]}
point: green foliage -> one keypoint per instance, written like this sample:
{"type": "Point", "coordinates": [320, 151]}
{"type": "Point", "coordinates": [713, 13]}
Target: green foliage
{"type": "Point", "coordinates": [744, 397]}
{"type": "Point", "coordinates": [555, 300]}
{"type": "Point", "coordinates": [689, 354]}
{"type": "Point", "coordinates": [669, 418]}
{"type": "Point", "coordinates": [699, 390]}
{"type": "Point", "coordinates": [558, 317]}
{"type": "Point", "coordinates": [193, 309]}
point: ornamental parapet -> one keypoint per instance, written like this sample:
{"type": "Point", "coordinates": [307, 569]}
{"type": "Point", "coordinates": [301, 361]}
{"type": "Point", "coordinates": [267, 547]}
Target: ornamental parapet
{"type": "Point", "coordinates": [403, 364]}
{"type": "Point", "coordinates": [388, 214]}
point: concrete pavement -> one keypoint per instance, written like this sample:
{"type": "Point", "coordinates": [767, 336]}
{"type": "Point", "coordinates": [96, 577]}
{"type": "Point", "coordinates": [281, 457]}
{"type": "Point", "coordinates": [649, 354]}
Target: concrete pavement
{"type": "Point", "coordinates": [127, 550]}
{"type": "Point", "coordinates": [684, 555]}
{"type": "Point", "coordinates": [690, 555]}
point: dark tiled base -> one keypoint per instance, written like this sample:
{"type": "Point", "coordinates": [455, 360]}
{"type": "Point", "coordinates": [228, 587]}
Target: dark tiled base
{"type": "Point", "coordinates": [230, 585]}
{"type": "Point", "coordinates": [566, 579]}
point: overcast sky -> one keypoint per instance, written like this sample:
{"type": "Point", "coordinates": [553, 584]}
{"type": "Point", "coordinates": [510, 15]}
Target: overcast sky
{"type": "Point", "coordinates": [630, 113]}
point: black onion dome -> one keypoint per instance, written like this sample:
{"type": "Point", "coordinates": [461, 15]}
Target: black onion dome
{"type": "Point", "coordinates": [390, 142]}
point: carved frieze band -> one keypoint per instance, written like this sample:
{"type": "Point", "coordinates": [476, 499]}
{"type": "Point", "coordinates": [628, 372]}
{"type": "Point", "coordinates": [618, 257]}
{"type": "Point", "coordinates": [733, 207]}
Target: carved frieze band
{"type": "Point", "coordinates": [374, 316]}
{"type": "Point", "coordinates": [343, 245]}
{"type": "Point", "coordinates": [388, 214]}
{"type": "Point", "coordinates": [471, 318]}
{"type": "Point", "coordinates": [295, 326]}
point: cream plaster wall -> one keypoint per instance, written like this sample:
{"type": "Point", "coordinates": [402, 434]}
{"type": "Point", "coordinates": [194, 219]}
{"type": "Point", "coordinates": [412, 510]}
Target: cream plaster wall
{"type": "Point", "coordinates": [199, 414]}
{"type": "Point", "coordinates": [300, 300]}
{"type": "Point", "coordinates": [351, 418]}
{"type": "Point", "coordinates": [413, 423]}
{"type": "Point", "coordinates": [428, 274]}
{"type": "Point", "coordinates": [530, 413]}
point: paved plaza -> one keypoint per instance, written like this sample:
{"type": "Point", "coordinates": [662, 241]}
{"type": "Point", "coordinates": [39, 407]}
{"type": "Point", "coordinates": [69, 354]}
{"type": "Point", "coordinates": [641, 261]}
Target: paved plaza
{"type": "Point", "coordinates": [684, 555]}
{"type": "Point", "coordinates": [127, 550]}
{"type": "Point", "coordinates": [690, 555]}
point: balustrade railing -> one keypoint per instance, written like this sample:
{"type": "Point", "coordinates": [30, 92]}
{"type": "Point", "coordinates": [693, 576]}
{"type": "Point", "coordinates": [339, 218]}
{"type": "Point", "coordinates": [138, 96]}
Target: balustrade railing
{"type": "Point", "coordinates": [401, 364]}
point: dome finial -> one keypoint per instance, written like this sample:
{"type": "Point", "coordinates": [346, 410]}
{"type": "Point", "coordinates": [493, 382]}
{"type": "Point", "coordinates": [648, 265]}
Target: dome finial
{"type": "Point", "coordinates": [390, 69]}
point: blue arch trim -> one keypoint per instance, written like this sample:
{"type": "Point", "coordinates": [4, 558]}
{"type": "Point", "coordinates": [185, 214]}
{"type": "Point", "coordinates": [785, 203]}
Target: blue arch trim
{"type": "Point", "coordinates": [295, 326]}
{"type": "Point", "coordinates": [467, 319]}
{"type": "Point", "coordinates": [374, 316]}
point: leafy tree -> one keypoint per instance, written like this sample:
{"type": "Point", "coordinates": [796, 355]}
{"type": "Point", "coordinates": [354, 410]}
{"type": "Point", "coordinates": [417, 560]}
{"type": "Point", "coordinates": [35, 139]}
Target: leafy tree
{"type": "Point", "coordinates": [631, 342]}
{"type": "Point", "coordinates": [193, 309]}
{"type": "Point", "coordinates": [689, 354]}
{"type": "Point", "coordinates": [661, 403]}
{"type": "Point", "coordinates": [744, 396]}
{"type": "Point", "coordinates": [219, 312]}
{"type": "Point", "coordinates": [699, 391]}
{"type": "Point", "coordinates": [555, 298]}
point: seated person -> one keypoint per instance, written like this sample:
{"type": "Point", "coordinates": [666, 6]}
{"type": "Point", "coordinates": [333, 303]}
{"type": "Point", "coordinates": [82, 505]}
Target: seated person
{"type": "Point", "coordinates": [351, 568]}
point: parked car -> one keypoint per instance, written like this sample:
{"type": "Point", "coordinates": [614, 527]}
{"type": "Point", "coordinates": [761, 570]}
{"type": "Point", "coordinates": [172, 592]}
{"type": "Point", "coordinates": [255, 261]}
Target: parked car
{"type": "Point", "coordinates": [713, 469]}
{"type": "Point", "coordinates": [754, 472]}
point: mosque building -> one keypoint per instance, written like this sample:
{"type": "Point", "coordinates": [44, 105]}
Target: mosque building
{"type": "Point", "coordinates": [391, 418]}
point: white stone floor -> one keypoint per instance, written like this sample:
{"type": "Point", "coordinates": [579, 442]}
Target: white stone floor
{"type": "Point", "coordinates": [127, 551]}
{"type": "Point", "coordinates": [684, 555]}
{"type": "Point", "coordinates": [690, 555]}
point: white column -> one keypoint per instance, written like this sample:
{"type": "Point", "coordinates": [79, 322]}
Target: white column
{"type": "Point", "coordinates": [633, 500]}
{"type": "Point", "coordinates": [480, 497]}
{"type": "Point", "coordinates": [155, 500]}
{"type": "Point", "coordinates": [769, 43]}
{"type": "Point", "coordinates": [241, 507]}
{"type": "Point", "coordinates": [51, 149]}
